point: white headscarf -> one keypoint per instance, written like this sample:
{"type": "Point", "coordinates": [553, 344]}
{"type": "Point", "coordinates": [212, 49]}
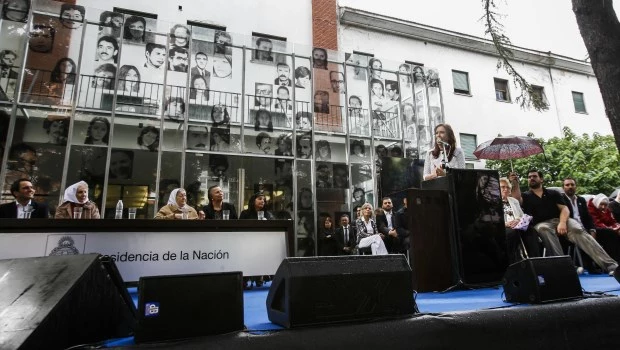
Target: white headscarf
{"type": "Point", "coordinates": [173, 198]}
{"type": "Point", "coordinates": [598, 199]}
{"type": "Point", "coordinates": [72, 190]}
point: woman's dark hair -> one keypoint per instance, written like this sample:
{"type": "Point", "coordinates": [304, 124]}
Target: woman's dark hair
{"type": "Point", "coordinates": [323, 144]}
{"type": "Point", "coordinates": [193, 92]}
{"type": "Point", "coordinates": [122, 78]}
{"type": "Point", "coordinates": [420, 70]}
{"type": "Point", "coordinates": [89, 137]}
{"type": "Point", "coordinates": [301, 192]}
{"type": "Point", "coordinates": [257, 126]}
{"type": "Point", "coordinates": [451, 141]}
{"type": "Point", "coordinates": [322, 219]}
{"type": "Point", "coordinates": [128, 22]}
{"type": "Point", "coordinates": [225, 121]}
{"type": "Point", "coordinates": [152, 147]}
{"type": "Point", "coordinates": [252, 200]}
{"type": "Point", "coordinates": [56, 73]}
{"type": "Point", "coordinates": [360, 144]}
{"type": "Point", "coordinates": [222, 132]}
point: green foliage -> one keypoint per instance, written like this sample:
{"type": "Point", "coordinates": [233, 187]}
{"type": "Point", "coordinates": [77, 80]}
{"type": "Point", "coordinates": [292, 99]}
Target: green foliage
{"type": "Point", "coordinates": [593, 161]}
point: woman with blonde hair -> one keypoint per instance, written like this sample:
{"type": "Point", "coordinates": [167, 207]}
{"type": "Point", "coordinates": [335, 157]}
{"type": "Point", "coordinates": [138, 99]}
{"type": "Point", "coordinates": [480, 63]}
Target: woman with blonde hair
{"type": "Point", "coordinates": [367, 233]}
{"type": "Point", "coordinates": [76, 197]}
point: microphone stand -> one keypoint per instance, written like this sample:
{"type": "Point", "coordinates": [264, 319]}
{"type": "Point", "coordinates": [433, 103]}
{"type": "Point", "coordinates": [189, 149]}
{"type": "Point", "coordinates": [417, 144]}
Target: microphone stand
{"type": "Point", "coordinates": [444, 160]}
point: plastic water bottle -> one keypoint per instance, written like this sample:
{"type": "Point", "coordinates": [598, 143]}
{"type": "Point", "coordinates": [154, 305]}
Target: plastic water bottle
{"type": "Point", "coordinates": [119, 209]}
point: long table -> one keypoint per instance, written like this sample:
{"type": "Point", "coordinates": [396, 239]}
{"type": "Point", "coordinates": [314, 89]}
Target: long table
{"type": "Point", "coordinates": [156, 247]}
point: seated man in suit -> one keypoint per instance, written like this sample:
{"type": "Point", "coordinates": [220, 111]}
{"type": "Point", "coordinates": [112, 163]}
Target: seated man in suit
{"type": "Point", "coordinates": [23, 191]}
{"type": "Point", "coordinates": [387, 225]}
{"type": "Point", "coordinates": [345, 236]}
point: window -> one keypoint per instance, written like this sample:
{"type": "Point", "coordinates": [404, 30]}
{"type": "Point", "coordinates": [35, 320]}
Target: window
{"type": "Point", "coordinates": [501, 90]}
{"type": "Point", "coordinates": [538, 92]}
{"type": "Point", "coordinates": [468, 144]}
{"type": "Point", "coordinates": [460, 80]}
{"type": "Point", "coordinates": [580, 104]}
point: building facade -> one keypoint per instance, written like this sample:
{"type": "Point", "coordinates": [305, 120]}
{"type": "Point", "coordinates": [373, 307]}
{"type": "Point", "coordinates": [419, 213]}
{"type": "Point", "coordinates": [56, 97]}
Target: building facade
{"type": "Point", "coordinates": [308, 107]}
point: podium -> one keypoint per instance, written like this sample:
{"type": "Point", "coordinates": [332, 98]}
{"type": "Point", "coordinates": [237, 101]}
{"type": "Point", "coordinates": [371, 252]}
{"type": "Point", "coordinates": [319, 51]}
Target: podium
{"type": "Point", "coordinates": [457, 231]}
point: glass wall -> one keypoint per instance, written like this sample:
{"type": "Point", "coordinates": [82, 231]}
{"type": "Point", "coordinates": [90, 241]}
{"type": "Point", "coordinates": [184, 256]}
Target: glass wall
{"type": "Point", "coordinates": [137, 107]}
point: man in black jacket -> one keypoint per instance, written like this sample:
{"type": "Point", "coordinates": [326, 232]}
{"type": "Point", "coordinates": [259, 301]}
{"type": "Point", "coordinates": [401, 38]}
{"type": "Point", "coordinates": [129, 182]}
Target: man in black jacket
{"type": "Point", "coordinates": [23, 191]}
{"type": "Point", "coordinates": [391, 228]}
{"type": "Point", "coordinates": [346, 237]}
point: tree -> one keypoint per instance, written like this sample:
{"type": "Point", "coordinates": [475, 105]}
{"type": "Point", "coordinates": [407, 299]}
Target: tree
{"type": "Point", "coordinates": [600, 30]}
{"type": "Point", "coordinates": [591, 161]}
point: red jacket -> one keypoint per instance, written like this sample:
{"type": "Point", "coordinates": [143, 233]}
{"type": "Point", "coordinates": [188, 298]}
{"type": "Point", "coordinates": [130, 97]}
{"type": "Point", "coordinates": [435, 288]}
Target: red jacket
{"type": "Point", "coordinates": [602, 218]}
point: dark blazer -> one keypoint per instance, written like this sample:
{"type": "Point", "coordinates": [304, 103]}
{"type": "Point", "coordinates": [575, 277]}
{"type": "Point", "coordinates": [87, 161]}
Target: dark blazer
{"type": "Point", "coordinates": [194, 71]}
{"type": "Point", "coordinates": [252, 215]}
{"type": "Point", "coordinates": [210, 213]}
{"type": "Point", "coordinates": [9, 210]}
{"type": "Point", "coordinates": [586, 219]}
{"type": "Point", "coordinates": [392, 244]}
{"type": "Point", "coordinates": [340, 243]}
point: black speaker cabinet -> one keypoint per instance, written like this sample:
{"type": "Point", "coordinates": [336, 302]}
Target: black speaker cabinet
{"type": "Point", "coordinates": [59, 301]}
{"type": "Point", "coordinates": [311, 291]}
{"type": "Point", "coordinates": [538, 280]}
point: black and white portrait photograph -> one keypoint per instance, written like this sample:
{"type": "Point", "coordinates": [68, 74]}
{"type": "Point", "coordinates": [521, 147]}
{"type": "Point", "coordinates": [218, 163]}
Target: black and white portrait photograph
{"type": "Point", "coordinates": [319, 58]}
{"type": "Point", "coordinates": [220, 140]}
{"type": "Point", "coordinates": [220, 116]}
{"type": "Point", "coordinates": [432, 78]}
{"type": "Point", "coordinates": [283, 102]}
{"type": "Point", "coordinates": [104, 76]}
{"type": "Point", "coordinates": [110, 23]}
{"type": "Point", "coordinates": [357, 64]}
{"type": "Point", "coordinates": [284, 145]}
{"type": "Point", "coordinates": [418, 75]}
{"type": "Point", "coordinates": [8, 62]}
{"type": "Point", "coordinates": [179, 36]}
{"type": "Point", "coordinates": [129, 80]}
{"type": "Point", "coordinates": [72, 16]}
{"type": "Point", "coordinates": [358, 121]}
{"type": "Point", "coordinates": [155, 55]}
{"type": "Point", "coordinates": [16, 10]}
{"type": "Point", "coordinates": [304, 201]}
{"type": "Point", "coordinates": [358, 150]}
{"type": "Point", "coordinates": [336, 80]}
{"type": "Point", "coordinates": [304, 146]}
{"type": "Point", "coordinates": [197, 137]}
{"type": "Point", "coordinates": [303, 121]}
{"type": "Point", "coordinates": [41, 38]}
{"type": "Point", "coordinates": [107, 50]}
{"type": "Point", "coordinates": [121, 165]}
{"type": "Point", "coordinates": [199, 64]}
{"type": "Point", "coordinates": [323, 175]}
{"type": "Point", "coordinates": [263, 96]}
{"type": "Point", "coordinates": [57, 129]}
{"type": "Point", "coordinates": [218, 164]}
{"type": "Point", "coordinates": [174, 108]}
{"type": "Point", "coordinates": [392, 91]}
{"type": "Point", "coordinates": [223, 43]}
{"type": "Point", "coordinates": [222, 66]}
{"type": "Point", "coordinates": [263, 143]}
{"type": "Point", "coordinates": [341, 176]}
{"type": "Point", "coordinates": [404, 75]}
{"type": "Point", "coordinates": [263, 48]}
{"type": "Point", "coordinates": [323, 151]}
{"type": "Point", "coordinates": [98, 132]}
{"type": "Point", "coordinates": [199, 89]}
{"type": "Point", "coordinates": [283, 72]}
{"type": "Point", "coordinates": [375, 66]}
{"type": "Point", "coordinates": [302, 77]}
{"type": "Point", "coordinates": [178, 59]}
{"type": "Point", "coordinates": [64, 71]}
{"type": "Point", "coordinates": [283, 169]}
{"type": "Point", "coordinates": [263, 120]}
{"type": "Point", "coordinates": [321, 101]}
{"type": "Point", "coordinates": [148, 138]}
{"type": "Point", "coordinates": [134, 31]}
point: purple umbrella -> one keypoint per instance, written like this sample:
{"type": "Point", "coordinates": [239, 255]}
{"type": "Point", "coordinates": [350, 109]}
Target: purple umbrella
{"type": "Point", "coordinates": [508, 147]}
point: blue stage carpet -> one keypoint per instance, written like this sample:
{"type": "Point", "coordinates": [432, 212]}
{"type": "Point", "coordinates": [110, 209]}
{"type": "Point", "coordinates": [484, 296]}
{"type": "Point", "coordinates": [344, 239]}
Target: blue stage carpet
{"type": "Point", "coordinates": [257, 322]}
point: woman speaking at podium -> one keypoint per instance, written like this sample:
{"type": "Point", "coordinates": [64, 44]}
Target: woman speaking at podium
{"type": "Point", "coordinates": [444, 155]}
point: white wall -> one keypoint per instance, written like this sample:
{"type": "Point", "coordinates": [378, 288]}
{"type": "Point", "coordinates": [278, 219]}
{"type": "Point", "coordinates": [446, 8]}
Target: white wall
{"type": "Point", "coordinates": [481, 114]}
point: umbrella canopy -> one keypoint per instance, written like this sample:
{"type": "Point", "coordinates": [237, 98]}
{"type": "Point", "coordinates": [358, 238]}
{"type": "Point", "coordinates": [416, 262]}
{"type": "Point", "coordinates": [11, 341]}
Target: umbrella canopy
{"type": "Point", "coordinates": [508, 147]}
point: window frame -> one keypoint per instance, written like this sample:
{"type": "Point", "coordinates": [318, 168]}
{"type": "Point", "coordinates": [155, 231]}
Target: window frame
{"type": "Point", "coordinates": [583, 101]}
{"type": "Point", "coordinates": [459, 91]}
{"type": "Point", "coordinates": [506, 91]}
{"type": "Point", "coordinates": [470, 157]}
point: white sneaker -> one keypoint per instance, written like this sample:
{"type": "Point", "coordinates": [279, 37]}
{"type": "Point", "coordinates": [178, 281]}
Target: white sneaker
{"type": "Point", "coordinates": [580, 270]}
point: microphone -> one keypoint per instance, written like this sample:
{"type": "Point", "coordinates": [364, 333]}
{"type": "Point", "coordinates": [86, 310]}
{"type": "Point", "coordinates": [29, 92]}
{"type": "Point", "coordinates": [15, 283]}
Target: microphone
{"type": "Point", "coordinates": [443, 142]}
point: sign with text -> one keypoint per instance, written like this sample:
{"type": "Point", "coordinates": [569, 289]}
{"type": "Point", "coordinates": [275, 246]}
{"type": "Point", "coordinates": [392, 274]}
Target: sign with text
{"type": "Point", "coordinates": [159, 253]}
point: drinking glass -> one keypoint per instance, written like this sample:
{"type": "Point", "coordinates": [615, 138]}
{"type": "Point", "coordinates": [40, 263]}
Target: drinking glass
{"type": "Point", "coordinates": [77, 213]}
{"type": "Point", "coordinates": [132, 213]}
{"type": "Point", "coordinates": [226, 214]}
{"type": "Point", "coordinates": [261, 215]}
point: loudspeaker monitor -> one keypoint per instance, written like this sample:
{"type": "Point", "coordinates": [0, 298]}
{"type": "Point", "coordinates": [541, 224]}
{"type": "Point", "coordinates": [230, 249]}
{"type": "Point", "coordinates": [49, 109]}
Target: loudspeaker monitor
{"type": "Point", "coordinates": [538, 280]}
{"type": "Point", "coordinates": [322, 290]}
{"type": "Point", "coordinates": [59, 301]}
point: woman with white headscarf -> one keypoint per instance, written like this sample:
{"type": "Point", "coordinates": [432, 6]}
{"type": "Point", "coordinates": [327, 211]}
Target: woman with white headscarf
{"type": "Point", "coordinates": [76, 196]}
{"type": "Point", "coordinates": [176, 207]}
{"type": "Point", "coordinates": [598, 207]}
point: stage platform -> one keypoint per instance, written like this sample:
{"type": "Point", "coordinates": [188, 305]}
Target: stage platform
{"type": "Point", "coordinates": [466, 319]}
